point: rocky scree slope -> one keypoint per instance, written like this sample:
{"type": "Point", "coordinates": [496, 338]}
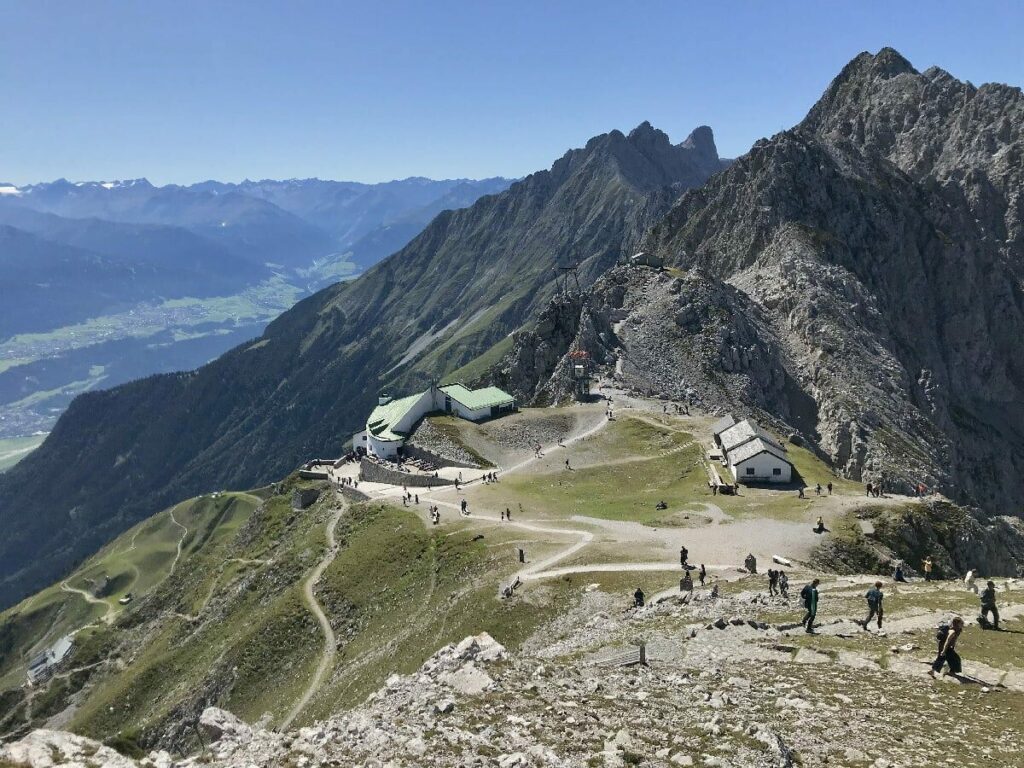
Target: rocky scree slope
{"type": "Point", "coordinates": [733, 681]}
{"type": "Point", "coordinates": [254, 414]}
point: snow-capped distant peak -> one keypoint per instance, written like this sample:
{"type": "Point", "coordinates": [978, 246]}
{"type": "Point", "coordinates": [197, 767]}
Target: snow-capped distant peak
{"type": "Point", "coordinates": [9, 189]}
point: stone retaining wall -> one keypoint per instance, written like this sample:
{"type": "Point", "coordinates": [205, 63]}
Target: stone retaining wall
{"type": "Point", "coordinates": [413, 451]}
{"type": "Point", "coordinates": [352, 494]}
{"type": "Point", "coordinates": [372, 472]}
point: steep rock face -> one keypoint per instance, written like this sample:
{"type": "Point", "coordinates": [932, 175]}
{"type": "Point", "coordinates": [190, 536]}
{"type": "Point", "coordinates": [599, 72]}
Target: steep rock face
{"type": "Point", "coordinates": [471, 277]}
{"type": "Point", "coordinates": [688, 337]}
{"type": "Point", "coordinates": [882, 240]}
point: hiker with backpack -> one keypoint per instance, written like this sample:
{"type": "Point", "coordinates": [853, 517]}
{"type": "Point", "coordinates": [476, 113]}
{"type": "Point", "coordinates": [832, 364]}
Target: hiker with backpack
{"type": "Point", "coordinates": [874, 597]}
{"type": "Point", "coordinates": [809, 594]}
{"type": "Point", "coordinates": [946, 637]}
{"type": "Point", "coordinates": [783, 584]}
{"type": "Point", "coordinates": [988, 604]}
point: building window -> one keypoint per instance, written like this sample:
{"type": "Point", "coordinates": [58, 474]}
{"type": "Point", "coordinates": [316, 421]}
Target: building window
{"type": "Point", "coordinates": [777, 471]}
{"type": "Point", "coordinates": [750, 470]}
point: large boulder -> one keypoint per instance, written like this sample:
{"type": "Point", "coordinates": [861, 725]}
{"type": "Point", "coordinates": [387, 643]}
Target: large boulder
{"type": "Point", "coordinates": [218, 724]}
{"type": "Point", "coordinates": [44, 748]}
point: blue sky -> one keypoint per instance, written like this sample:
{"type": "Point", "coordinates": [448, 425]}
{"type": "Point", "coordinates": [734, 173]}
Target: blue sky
{"type": "Point", "coordinates": [183, 91]}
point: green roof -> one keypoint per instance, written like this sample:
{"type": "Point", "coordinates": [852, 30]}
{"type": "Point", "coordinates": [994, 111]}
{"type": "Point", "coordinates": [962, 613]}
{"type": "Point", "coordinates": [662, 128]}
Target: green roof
{"type": "Point", "coordinates": [475, 399]}
{"type": "Point", "coordinates": [384, 417]}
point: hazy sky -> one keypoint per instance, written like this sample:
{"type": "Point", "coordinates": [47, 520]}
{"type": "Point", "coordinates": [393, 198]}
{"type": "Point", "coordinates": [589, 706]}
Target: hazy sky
{"type": "Point", "coordinates": [183, 91]}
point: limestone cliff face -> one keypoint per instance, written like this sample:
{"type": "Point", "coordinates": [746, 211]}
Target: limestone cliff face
{"type": "Point", "coordinates": [859, 277]}
{"type": "Point", "coordinates": [882, 238]}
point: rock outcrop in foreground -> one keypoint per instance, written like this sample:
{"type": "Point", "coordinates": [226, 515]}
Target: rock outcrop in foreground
{"type": "Point", "coordinates": [733, 682]}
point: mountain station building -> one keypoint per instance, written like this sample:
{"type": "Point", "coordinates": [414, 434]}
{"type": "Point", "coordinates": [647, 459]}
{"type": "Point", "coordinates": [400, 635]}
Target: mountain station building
{"type": "Point", "coordinates": [752, 455]}
{"type": "Point", "coordinates": [391, 422]}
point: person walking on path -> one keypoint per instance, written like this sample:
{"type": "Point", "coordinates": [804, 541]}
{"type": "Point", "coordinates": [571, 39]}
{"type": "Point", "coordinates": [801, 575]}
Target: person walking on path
{"type": "Point", "coordinates": [829, 486]}
{"type": "Point", "coordinates": [773, 582]}
{"type": "Point", "coordinates": [988, 604]}
{"type": "Point", "coordinates": [869, 489]}
{"type": "Point", "coordinates": [567, 465]}
{"type": "Point", "coordinates": [926, 566]}
{"type": "Point", "coordinates": [783, 584]}
{"type": "Point", "coordinates": [970, 583]}
{"type": "Point", "coordinates": [874, 597]}
{"type": "Point", "coordinates": [809, 594]}
{"type": "Point", "coordinates": [702, 574]}
{"type": "Point", "coordinates": [947, 639]}
{"type": "Point", "coordinates": [684, 556]}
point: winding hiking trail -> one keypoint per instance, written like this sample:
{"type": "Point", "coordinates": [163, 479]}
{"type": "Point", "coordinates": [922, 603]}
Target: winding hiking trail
{"type": "Point", "coordinates": [330, 642]}
{"type": "Point", "coordinates": [181, 541]}
{"type": "Point", "coordinates": [90, 598]}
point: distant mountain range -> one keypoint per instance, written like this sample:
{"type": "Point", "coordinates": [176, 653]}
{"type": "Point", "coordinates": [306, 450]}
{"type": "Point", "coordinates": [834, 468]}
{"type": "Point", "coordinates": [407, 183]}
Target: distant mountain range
{"type": "Point", "coordinates": [97, 247]}
{"type": "Point", "coordinates": [105, 282]}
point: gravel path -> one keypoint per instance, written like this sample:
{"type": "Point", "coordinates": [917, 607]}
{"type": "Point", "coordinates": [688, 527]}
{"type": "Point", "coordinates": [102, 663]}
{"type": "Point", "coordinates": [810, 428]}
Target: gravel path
{"type": "Point", "coordinates": [330, 642]}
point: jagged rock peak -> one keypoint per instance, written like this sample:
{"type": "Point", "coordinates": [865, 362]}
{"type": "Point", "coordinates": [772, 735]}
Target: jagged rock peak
{"type": "Point", "coordinates": [887, 63]}
{"type": "Point", "coordinates": [702, 139]}
{"type": "Point", "coordinates": [645, 133]}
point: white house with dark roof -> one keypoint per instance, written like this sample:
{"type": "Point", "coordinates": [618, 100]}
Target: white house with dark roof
{"type": "Point", "coordinates": [721, 425]}
{"type": "Point", "coordinates": [758, 461]}
{"type": "Point", "coordinates": [391, 422]}
{"type": "Point", "coordinates": [752, 455]}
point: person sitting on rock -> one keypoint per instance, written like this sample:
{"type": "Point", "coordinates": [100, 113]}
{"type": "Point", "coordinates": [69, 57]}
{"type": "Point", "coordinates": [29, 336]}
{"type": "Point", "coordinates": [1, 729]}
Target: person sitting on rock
{"type": "Point", "coordinates": [897, 574]}
{"type": "Point", "coordinates": [638, 598]}
{"type": "Point", "coordinates": [819, 527]}
{"type": "Point", "coordinates": [686, 583]}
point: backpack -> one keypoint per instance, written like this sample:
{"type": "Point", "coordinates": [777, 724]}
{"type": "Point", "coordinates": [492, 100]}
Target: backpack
{"type": "Point", "coordinates": [805, 593]}
{"type": "Point", "coordinates": [941, 633]}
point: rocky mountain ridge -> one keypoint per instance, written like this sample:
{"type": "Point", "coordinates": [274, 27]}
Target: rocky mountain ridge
{"type": "Point", "coordinates": [867, 269]}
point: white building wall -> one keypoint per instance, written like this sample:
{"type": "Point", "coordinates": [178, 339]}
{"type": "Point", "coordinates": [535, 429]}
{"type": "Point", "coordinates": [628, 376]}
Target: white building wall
{"type": "Point", "coordinates": [460, 410]}
{"type": "Point", "coordinates": [764, 466]}
{"type": "Point", "coordinates": [423, 406]}
{"type": "Point", "coordinates": [359, 440]}
{"type": "Point", "coordinates": [384, 449]}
